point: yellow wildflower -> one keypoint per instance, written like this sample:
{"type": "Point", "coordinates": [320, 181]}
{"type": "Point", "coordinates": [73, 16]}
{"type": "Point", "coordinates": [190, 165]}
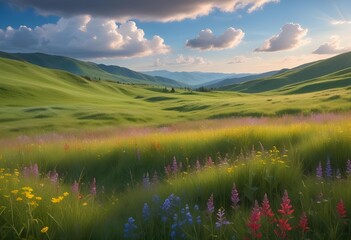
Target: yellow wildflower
{"type": "Point", "coordinates": [85, 204]}
{"type": "Point", "coordinates": [29, 195]}
{"type": "Point", "coordinates": [27, 189]}
{"type": "Point", "coordinates": [34, 204]}
{"type": "Point", "coordinates": [60, 197]}
{"type": "Point", "coordinates": [38, 198]}
{"type": "Point", "coordinates": [55, 200]}
{"type": "Point", "coordinates": [65, 194]}
{"type": "Point", "coordinates": [14, 191]}
{"type": "Point", "coordinates": [19, 199]}
{"type": "Point", "coordinates": [44, 229]}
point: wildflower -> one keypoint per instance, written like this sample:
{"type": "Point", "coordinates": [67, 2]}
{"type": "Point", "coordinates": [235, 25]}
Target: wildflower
{"type": "Point", "coordinates": [303, 223]}
{"type": "Point", "coordinates": [341, 209]}
{"type": "Point", "coordinates": [29, 195]}
{"type": "Point", "coordinates": [38, 198]}
{"type": "Point", "coordinates": [146, 180]}
{"type": "Point", "coordinates": [221, 218]}
{"type": "Point", "coordinates": [65, 194]}
{"type": "Point", "coordinates": [14, 191]}
{"type": "Point", "coordinates": [197, 165]}
{"type": "Point", "coordinates": [254, 222]}
{"type": "Point", "coordinates": [235, 197]}
{"type": "Point", "coordinates": [93, 187]}
{"type": "Point", "coordinates": [129, 229]}
{"type": "Point", "coordinates": [210, 205]}
{"type": "Point", "coordinates": [75, 187]}
{"type": "Point", "coordinates": [286, 207]}
{"type": "Point", "coordinates": [84, 204]}
{"type": "Point", "coordinates": [54, 177]}
{"type": "Point", "coordinates": [44, 229]}
{"type": "Point", "coordinates": [348, 167]}
{"type": "Point", "coordinates": [168, 170]}
{"type": "Point", "coordinates": [19, 199]}
{"type": "Point", "coordinates": [146, 212]}
{"type": "Point", "coordinates": [174, 166]}
{"type": "Point", "coordinates": [266, 208]}
{"type": "Point", "coordinates": [209, 162]}
{"type": "Point", "coordinates": [188, 215]}
{"type": "Point", "coordinates": [328, 169]}
{"type": "Point", "coordinates": [283, 228]}
{"type": "Point", "coordinates": [55, 200]}
{"type": "Point", "coordinates": [319, 170]}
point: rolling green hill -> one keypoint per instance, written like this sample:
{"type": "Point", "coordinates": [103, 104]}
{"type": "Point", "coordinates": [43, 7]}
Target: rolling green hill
{"type": "Point", "coordinates": [331, 73]}
{"type": "Point", "coordinates": [34, 99]}
{"type": "Point", "coordinates": [91, 70]}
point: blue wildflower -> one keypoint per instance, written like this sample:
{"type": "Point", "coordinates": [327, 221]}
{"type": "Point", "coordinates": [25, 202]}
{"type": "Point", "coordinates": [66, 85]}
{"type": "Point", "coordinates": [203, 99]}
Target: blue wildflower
{"type": "Point", "coordinates": [146, 212]}
{"type": "Point", "coordinates": [188, 215]}
{"type": "Point", "coordinates": [129, 229]}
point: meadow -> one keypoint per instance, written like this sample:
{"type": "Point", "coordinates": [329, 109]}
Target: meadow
{"type": "Point", "coordinates": [242, 178]}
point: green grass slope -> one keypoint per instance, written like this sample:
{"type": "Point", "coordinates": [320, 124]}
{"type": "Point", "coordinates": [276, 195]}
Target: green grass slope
{"type": "Point", "coordinates": [36, 99]}
{"type": "Point", "coordinates": [89, 69]}
{"type": "Point", "coordinates": [336, 68]}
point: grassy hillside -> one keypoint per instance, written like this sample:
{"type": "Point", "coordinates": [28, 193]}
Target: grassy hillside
{"type": "Point", "coordinates": [335, 69]}
{"type": "Point", "coordinates": [36, 99]}
{"type": "Point", "coordinates": [89, 69]}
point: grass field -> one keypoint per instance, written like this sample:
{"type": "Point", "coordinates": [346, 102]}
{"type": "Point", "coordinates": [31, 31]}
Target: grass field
{"type": "Point", "coordinates": [38, 100]}
{"type": "Point", "coordinates": [258, 155]}
{"type": "Point", "coordinates": [99, 160]}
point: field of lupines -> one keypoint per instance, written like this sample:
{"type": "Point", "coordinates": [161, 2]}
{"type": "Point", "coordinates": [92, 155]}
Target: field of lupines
{"type": "Point", "coordinates": [285, 178]}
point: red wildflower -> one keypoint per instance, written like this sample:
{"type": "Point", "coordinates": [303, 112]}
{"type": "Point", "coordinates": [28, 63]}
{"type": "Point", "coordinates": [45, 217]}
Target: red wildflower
{"type": "Point", "coordinates": [286, 207]}
{"type": "Point", "coordinates": [303, 223]}
{"type": "Point", "coordinates": [266, 208]}
{"type": "Point", "coordinates": [341, 209]}
{"type": "Point", "coordinates": [283, 228]}
{"type": "Point", "coordinates": [254, 222]}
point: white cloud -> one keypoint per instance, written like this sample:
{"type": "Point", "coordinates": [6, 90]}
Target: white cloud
{"type": "Point", "coordinates": [150, 10]}
{"type": "Point", "coordinates": [291, 36]}
{"type": "Point", "coordinates": [84, 37]}
{"type": "Point", "coordinates": [340, 22]}
{"type": "Point", "coordinates": [206, 40]}
{"type": "Point", "coordinates": [243, 59]}
{"type": "Point", "coordinates": [180, 60]}
{"type": "Point", "coordinates": [331, 47]}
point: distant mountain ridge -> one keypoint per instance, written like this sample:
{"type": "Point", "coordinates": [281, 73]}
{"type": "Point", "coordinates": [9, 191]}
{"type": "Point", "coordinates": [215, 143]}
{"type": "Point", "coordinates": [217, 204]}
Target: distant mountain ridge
{"type": "Point", "coordinates": [321, 75]}
{"type": "Point", "coordinates": [90, 69]}
{"type": "Point", "coordinates": [195, 78]}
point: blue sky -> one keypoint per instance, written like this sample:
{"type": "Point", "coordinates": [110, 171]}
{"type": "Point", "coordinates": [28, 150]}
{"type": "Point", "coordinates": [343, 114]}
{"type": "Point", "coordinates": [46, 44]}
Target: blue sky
{"type": "Point", "coordinates": [186, 35]}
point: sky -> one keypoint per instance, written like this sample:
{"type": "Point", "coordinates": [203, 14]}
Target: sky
{"type": "Point", "coordinates": [232, 36]}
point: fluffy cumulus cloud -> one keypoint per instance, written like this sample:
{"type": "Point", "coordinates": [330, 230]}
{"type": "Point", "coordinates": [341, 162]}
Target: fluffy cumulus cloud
{"type": "Point", "coordinates": [291, 36]}
{"type": "Point", "coordinates": [150, 10]}
{"type": "Point", "coordinates": [84, 37]}
{"type": "Point", "coordinates": [331, 47]}
{"type": "Point", "coordinates": [206, 40]}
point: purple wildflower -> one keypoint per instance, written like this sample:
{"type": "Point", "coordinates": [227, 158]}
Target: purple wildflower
{"type": "Point", "coordinates": [348, 167]}
{"type": "Point", "coordinates": [210, 205]}
{"type": "Point", "coordinates": [221, 218]}
{"type": "Point", "coordinates": [35, 170]}
{"type": "Point", "coordinates": [93, 187]}
{"type": "Point", "coordinates": [75, 187]}
{"type": "Point", "coordinates": [54, 177]}
{"type": "Point", "coordinates": [328, 169]}
{"type": "Point", "coordinates": [319, 170]}
{"type": "Point", "coordinates": [31, 171]}
{"type": "Point", "coordinates": [146, 180]}
{"type": "Point", "coordinates": [235, 197]}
